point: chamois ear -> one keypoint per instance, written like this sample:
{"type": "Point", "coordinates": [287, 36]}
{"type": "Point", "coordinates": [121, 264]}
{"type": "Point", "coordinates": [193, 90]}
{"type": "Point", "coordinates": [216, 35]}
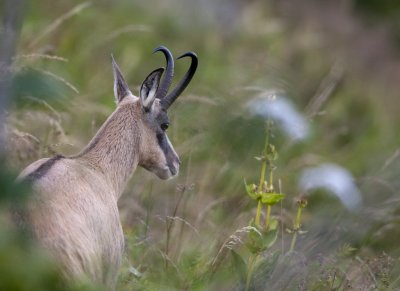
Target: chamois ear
{"type": "Point", "coordinates": [149, 88]}
{"type": "Point", "coordinates": [121, 89]}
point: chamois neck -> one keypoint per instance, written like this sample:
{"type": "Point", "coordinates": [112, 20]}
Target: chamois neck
{"type": "Point", "coordinates": [114, 150]}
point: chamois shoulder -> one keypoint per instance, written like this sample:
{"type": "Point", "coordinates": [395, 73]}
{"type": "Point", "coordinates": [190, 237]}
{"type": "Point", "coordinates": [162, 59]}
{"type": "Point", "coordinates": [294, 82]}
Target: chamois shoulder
{"type": "Point", "coordinates": [38, 169]}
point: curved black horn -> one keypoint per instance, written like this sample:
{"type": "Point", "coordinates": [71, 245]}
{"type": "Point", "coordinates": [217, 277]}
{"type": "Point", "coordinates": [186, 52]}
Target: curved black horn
{"type": "Point", "coordinates": [171, 97]}
{"type": "Point", "coordinates": [169, 72]}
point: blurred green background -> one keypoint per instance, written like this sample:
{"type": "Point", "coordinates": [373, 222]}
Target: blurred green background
{"type": "Point", "coordinates": [336, 62]}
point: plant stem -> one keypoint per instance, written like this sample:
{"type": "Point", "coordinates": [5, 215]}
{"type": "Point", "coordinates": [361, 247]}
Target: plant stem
{"type": "Point", "coordinates": [298, 218]}
{"type": "Point", "coordinates": [250, 270]}
{"type": "Point", "coordinates": [167, 228]}
{"type": "Point", "coordinates": [268, 216]}
{"type": "Point", "coordinates": [294, 238]}
{"type": "Point", "coordinates": [296, 228]}
{"type": "Point", "coordinates": [262, 176]}
{"type": "Point", "coordinates": [258, 213]}
{"type": "Point", "coordinates": [271, 178]}
{"type": "Point", "coordinates": [170, 223]}
{"type": "Point", "coordinates": [264, 159]}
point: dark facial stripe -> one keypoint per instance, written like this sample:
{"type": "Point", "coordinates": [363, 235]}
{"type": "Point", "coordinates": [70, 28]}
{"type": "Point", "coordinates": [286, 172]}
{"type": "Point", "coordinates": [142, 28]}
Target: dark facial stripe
{"type": "Point", "coordinates": [162, 142]}
{"type": "Point", "coordinates": [43, 169]}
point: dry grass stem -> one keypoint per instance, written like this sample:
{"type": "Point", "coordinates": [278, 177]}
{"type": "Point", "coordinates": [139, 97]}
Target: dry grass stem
{"type": "Point", "coordinates": [126, 29]}
{"type": "Point", "coordinates": [234, 240]}
{"type": "Point", "coordinates": [390, 160]}
{"type": "Point", "coordinates": [325, 89]}
{"type": "Point", "coordinates": [40, 56]}
{"type": "Point", "coordinates": [208, 207]}
{"type": "Point", "coordinates": [177, 218]}
{"type": "Point", "coordinates": [47, 105]}
{"type": "Point", "coordinates": [61, 79]}
{"type": "Point", "coordinates": [200, 99]}
{"type": "Point", "coordinates": [60, 20]}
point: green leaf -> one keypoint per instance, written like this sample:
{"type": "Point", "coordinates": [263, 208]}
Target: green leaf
{"type": "Point", "coordinates": [262, 239]}
{"type": "Point", "coordinates": [135, 272]}
{"type": "Point", "coordinates": [272, 154]}
{"type": "Point", "coordinates": [268, 264]}
{"type": "Point", "coordinates": [261, 158]}
{"type": "Point", "coordinates": [239, 265]}
{"type": "Point", "coordinates": [255, 242]}
{"type": "Point", "coordinates": [31, 82]}
{"type": "Point", "coordinates": [288, 230]}
{"type": "Point", "coordinates": [270, 234]}
{"type": "Point", "coordinates": [273, 224]}
{"type": "Point", "coordinates": [271, 198]}
{"type": "Point", "coordinates": [251, 190]}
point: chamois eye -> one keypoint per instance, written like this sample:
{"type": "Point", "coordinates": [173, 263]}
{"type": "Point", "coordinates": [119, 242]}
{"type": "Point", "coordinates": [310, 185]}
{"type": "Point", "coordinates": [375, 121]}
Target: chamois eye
{"type": "Point", "coordinates": [164, 126]}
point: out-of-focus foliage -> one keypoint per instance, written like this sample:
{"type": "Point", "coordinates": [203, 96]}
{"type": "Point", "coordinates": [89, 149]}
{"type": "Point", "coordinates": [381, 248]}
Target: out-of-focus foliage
{"type": "Point", "coordinates": [335, 62]}
{"type": "Point", "coordinates": [23, 266]}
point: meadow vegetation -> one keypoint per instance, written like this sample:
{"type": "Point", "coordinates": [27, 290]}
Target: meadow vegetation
{"type": "Point", "coordinates": [237, 217]}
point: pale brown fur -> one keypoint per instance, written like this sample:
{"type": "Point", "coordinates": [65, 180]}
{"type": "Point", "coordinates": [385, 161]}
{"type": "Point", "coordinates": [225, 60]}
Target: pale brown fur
{"type": "Point", "coordinates": [73, 209]}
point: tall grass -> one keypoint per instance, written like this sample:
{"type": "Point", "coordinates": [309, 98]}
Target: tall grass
{"type": "Point", "coordinates": [194, 232]}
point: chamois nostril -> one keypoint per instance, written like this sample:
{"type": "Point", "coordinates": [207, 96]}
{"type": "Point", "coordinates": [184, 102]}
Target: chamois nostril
{"type": "Point", "coordinates": [173, 170]}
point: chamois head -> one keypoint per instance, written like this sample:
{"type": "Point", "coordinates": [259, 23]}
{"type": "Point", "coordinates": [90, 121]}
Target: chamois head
{"type": "Point", "coordinates": [156, 153]}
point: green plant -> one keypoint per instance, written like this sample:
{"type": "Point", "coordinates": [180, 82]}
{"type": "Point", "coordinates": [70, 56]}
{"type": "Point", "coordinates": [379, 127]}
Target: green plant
{"type": "Point", "coordinates": [262, 237]}
{"type": "Point", "coordinates": [301, 204]}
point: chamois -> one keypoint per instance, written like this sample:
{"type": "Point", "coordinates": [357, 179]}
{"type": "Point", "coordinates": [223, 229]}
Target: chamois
{"type": "Point", "coordinates": [73, 209]}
